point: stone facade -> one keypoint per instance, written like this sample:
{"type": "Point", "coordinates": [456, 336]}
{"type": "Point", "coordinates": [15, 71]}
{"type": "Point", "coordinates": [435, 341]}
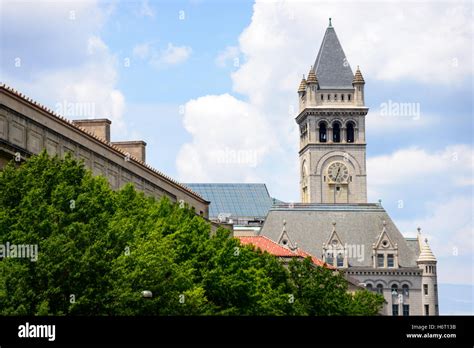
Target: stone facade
{"type": "Point", "coordinates": [26, 128]}
{"type": "Point", "coordinates": [334, 221]}
{"type": "Point", "coordinates": [331, 120]}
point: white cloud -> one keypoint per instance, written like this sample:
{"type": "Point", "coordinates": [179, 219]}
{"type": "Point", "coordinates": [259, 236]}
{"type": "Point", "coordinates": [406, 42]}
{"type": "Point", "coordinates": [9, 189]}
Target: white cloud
{"type": "Point", "coordinates": [218, 152]}
{"type": "Point", "coordinates": [282, 42]}
{"type": "Point", "coordinates": [172, 55]}
{"type": "Point", "coordinates": [454, 165]}
{"type": "Point", "coordinates": [448, 226]}
{"type": "Point", "coordinates": [435, 189]}
{"type": "Point", "coordinates": [231, 53]}
{"type": "Point", "coordinates": [65, 70]}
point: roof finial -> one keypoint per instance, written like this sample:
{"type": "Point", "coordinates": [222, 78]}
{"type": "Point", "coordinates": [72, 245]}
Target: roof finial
{"type": "Point", "coordinates": [330, 22]}
{"type": "Point", "coordinates": [419, 229]}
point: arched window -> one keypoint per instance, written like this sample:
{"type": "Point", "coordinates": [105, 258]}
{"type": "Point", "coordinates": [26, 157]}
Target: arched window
{"type": "Point", "coordinates": [322, 132]}
{"type": "Point", "coordinates": [340, 260]}
{"type": "Point", "coordinates": [303, 170]}
{"type": "Point", "coordinates": [394, 290]}
{"type": "Point", "coordinates": [369, 287]}
{"type": "Point", "coordinates": [336, 132]}
{"type": "Point", "coordinates": [380, 288]}
{"type": "Point", "coordinates": [405, 289]}
{"type": "Point", "coordinates": [350, 132]}
{"type": "Point", "coordinates": [329, 258]}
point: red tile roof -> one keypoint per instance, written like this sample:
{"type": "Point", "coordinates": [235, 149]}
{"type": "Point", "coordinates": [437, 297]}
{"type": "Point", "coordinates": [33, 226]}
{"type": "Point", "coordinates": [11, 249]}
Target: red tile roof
{"type": "Point", "coordinates": [266, 244]}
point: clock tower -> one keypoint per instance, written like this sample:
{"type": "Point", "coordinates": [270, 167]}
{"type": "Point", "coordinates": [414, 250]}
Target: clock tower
{"type": "Point", "coordinates": [331, 120]}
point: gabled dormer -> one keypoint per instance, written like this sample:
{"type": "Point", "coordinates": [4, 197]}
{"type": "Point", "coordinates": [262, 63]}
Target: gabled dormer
{"type": "Point", "coordinates": [285, 240]}
{"type": "Point", "coordinates": [385, 251]}
{"type": "Point", "coordinates": [334, 251]}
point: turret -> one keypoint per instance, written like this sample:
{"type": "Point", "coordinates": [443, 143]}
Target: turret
{"type": "Point", "coordinates": [302, 93]}
{"type": "Point", "coordinates": [429, 288]}
{"type": "Point", "coordinates": [358, 83]}
{"type": "Point", "coordinates": [312, 87]}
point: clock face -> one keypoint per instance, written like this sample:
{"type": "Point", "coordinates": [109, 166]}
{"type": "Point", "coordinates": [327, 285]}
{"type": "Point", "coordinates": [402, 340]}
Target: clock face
{"type": "Point", "coordinates": [338, 172]}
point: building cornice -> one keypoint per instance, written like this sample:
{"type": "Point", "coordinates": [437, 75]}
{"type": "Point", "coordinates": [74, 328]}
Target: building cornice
{"type": "Point", "coordinates": [11, 92]}
{"type": "Point", "coordinates": [329, 112]}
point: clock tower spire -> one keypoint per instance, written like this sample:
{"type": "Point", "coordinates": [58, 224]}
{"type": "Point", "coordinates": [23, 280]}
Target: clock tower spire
{"type": "Point", "coordinates": [332, 128]}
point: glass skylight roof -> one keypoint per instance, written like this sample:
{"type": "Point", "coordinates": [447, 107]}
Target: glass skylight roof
{"type": "Point", "coordinates": [238, 200]}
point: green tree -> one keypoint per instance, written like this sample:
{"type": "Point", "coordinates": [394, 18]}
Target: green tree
{"type": "Point", "coordinates": [320, 291]}
{"type": "Point", "coordinates": [99, 249]}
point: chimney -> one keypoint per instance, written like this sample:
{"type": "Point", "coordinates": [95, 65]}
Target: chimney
{"type": "Point", "coordinates": [135, 148]}
{"type": "Point", "coordinates": [100, 127]}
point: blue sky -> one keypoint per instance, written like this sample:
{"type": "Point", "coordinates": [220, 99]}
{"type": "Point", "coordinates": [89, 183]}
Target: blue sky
{"type": "Point", "coordinates": [199, 79]}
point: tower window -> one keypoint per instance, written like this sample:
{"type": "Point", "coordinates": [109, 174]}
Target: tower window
{"type": "Point", "coordinates": [335, 97]}
{"type": "Point", "coordinates": [369, 287]}
{"type": "Point", "coordinates": [380, 288]}
{"type": "Point", "coordinates": [329, 97]}
{"type": "Point", "coordinates": [338, 188]}
{"type": "Point", "coordinates": [322, 132]}
{"type": "Point", "coordinates": [329, 258]}
{"type": "Point", "coordinates": [342, 97]}
{"type": "Point", "coordinates": [380, 260]}
{"type": "Point", "coordinates": [427, 309]}
{"type": "Point", "coordinates": [350, 132]}
{"type": "Point", "coordinates": [336, 132]}
{"type": "Point", "coordinates": [425, 289]}
{"type": "Point", "coordinates": [406, 310]}
{"type": "Point", "coordinates": [406, 290]}
{"type": "Point", "coordinates": [322, 96]}
{"type": "Point", "coordinates": [390, 260]}
{"type": "Point", "coordinates": [349, 97]}
{"type": "Point", "coordinates": [395, 310]}
{"type": "Point", "coordinates": [394, 290]}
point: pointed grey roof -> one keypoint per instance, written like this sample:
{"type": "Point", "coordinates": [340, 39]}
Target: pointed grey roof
{"type": "Point", "coordinates": [331, 66]}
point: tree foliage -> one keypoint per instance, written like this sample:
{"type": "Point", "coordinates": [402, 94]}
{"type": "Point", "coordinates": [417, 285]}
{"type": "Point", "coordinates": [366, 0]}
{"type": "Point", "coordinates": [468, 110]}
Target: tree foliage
{"type": "Point", "coordinates": [99, 249]}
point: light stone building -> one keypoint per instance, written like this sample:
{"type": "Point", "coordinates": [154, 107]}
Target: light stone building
{"type": "Point", "coordinates": [334, 220]}
{"type": "Point", "coordinates": [27, 128]}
